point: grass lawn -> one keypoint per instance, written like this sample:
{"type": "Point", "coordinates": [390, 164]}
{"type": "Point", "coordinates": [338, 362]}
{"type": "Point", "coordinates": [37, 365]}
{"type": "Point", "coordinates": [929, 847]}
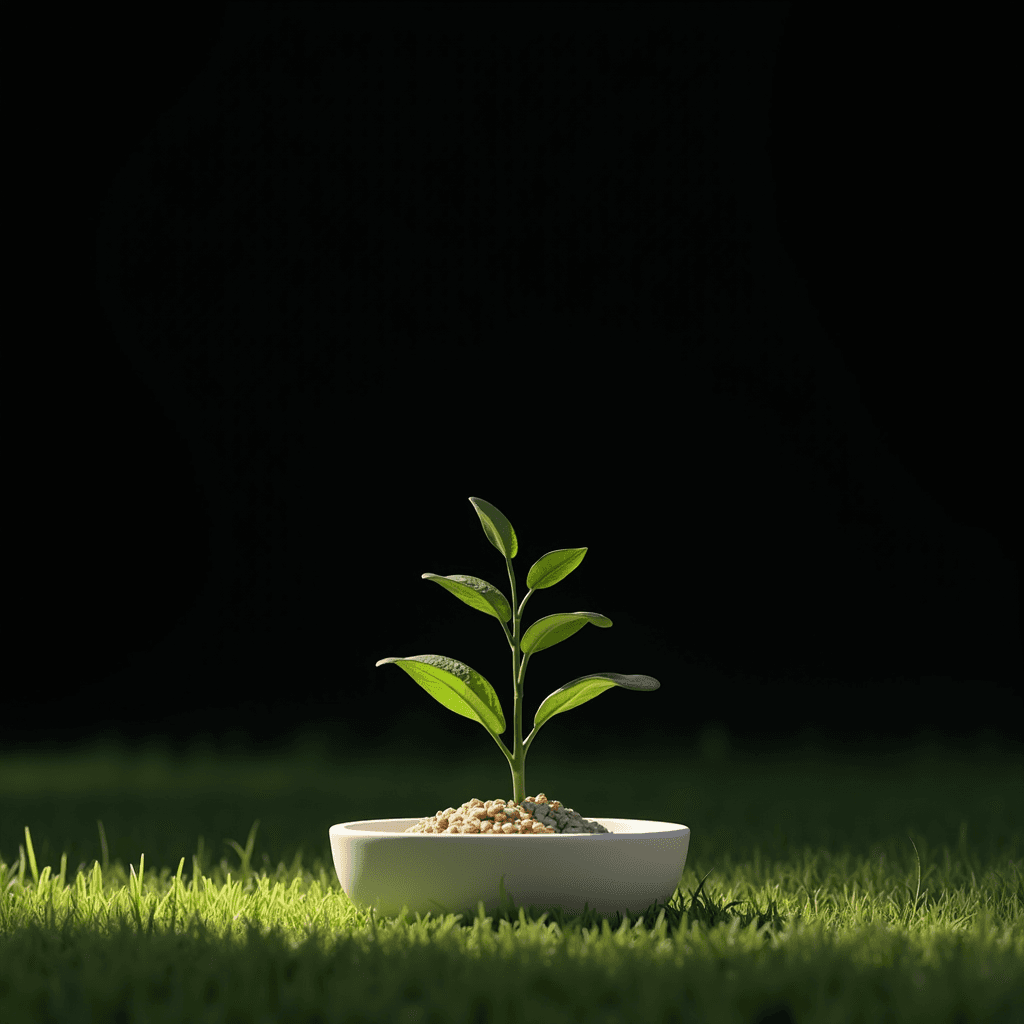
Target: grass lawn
{"type": "Point", "coordinates": [821, 885]}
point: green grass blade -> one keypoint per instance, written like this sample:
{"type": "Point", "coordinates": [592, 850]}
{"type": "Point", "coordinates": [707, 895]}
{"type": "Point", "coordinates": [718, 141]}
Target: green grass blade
{"type": "Point", "coordinates": [104, 851]}
{"type": "Point", "coordinates": [245, 854]}
{"type": "Point", "coordinates": [31, 856]}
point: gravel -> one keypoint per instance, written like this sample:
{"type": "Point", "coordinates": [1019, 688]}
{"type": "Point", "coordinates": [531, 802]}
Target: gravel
{"type": "Point", "coordinates": [535, 816]}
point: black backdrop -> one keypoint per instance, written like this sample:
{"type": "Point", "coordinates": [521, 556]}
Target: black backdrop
{"type": "Point", "coordinates": [704, 287]}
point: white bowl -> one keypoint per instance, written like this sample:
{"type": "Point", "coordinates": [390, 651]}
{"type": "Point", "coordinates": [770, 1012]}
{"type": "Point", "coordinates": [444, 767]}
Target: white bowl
{"type": "Point", "coordinates": [627, 869]}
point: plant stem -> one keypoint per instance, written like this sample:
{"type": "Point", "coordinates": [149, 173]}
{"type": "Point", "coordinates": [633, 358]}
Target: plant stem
{"type": "Point", "coordinates": [518, 761]}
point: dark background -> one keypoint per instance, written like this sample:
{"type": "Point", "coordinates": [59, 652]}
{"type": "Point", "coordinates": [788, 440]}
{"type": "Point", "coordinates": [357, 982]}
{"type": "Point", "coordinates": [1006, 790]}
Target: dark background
{"type": "Point", "coordinates": [708, 288]}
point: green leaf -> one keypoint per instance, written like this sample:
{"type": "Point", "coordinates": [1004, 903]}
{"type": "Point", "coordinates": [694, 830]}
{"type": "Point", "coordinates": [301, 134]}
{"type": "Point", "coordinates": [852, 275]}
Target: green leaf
{"type": "Point", "coordinates": [553, 629]}
{"type": "Point", "coordinates": [579, 691]}
{"type": "Point", "coordinates": [477, 593]}
{"type": "Point", "coordinates": [457, 686]}
{"type": "Point", "coordinates": [554, 566]}
{"type": "Point", "coordinates": [496, 527]}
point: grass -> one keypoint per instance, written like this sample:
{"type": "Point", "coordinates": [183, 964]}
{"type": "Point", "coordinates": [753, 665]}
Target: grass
{"type": "Point", "coordinates": [821, 885]}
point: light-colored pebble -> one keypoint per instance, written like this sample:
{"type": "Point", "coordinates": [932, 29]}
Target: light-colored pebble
{"type": "Point", "coordinates": [501, 817]}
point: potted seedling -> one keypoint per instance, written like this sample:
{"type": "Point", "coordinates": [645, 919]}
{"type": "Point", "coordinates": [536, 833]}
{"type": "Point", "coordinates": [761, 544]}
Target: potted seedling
{"type": "Point", "coordinates": [529, 849]}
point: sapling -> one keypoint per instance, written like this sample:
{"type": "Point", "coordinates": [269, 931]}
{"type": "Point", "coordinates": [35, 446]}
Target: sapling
{"type": "Point", "coordinates": [466, 692]}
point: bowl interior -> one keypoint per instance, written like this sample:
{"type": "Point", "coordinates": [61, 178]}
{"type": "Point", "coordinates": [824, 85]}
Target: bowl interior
{"type": "Point", "coordinates": [616, 827]}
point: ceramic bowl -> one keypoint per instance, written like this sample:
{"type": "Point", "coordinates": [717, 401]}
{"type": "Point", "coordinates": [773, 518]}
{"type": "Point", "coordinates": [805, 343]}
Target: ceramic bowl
{"type": "Point", "coordinates": [627, 869]}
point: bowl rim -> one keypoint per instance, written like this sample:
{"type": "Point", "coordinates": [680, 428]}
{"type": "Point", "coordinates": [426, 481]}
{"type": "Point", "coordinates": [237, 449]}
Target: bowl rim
{"type": "Point", "coordinates": [662, 828]}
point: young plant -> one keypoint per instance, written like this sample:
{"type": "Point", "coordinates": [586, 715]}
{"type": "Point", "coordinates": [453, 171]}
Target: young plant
{"type": "Point", "coordinates": [463, 690]}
